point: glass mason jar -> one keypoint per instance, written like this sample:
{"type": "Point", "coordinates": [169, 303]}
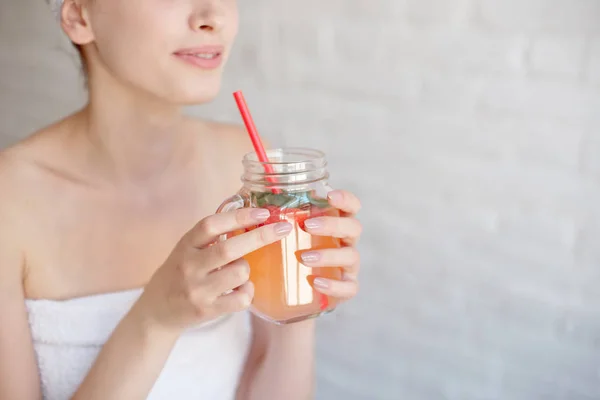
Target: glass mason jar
{"type": "Point", "coordinates": [294, 190]}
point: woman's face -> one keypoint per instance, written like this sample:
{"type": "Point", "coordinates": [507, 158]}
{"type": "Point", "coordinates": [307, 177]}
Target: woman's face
{"type": "Point", "coordinates": [172, 49]}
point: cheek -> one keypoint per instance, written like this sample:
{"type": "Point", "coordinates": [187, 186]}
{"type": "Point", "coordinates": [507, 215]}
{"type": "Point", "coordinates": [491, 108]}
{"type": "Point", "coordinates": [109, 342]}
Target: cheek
{"type": "Point", "coordinates": [235, 20]}
{"type": "Point", "coordinates": [136, 39]}
{"type": "Point", "coordinates": [132, 43]}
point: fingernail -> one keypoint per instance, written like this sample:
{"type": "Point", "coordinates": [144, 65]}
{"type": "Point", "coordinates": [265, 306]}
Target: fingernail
{"type": "Point", "coordinates": [311, 256]}
{"type": "Point", "coordinates": [321, 283]}
{"type": "Point", "coordinates": [313, 224]}
{"type": "Point", "coordinates": [260, 214]}
{"type": "Point", "coordinates": [283, 228]}
{"type": "Point", "coordinates": [335, 196]}
{"type": "Point", "coordinates": [246, 301]}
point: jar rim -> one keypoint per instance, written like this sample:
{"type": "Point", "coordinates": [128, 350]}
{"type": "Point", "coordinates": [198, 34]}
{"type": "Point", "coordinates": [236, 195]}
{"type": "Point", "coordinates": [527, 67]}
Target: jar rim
{"type": "Point", "coordinates": [309, 154]}
{"type": "Point", "coordinates": [289, 167]}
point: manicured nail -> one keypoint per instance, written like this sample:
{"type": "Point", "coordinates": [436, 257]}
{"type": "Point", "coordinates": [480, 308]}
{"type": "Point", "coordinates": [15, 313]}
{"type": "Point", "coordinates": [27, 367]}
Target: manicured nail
{"type": "Point", "coordinates": [335, 196]}
{"type": "Point", "coordinates": [283, 228]}
{"type": "Point", "coordinates": [313, 224]}
{"type": "Point", "coordinates": [311, 256]}
{"type": "Point", "coordinates": [321, 283]}
{"type": "Point", "coordinates": [260, 214]}
{"type": "Point", "coordinates": [246, 301]}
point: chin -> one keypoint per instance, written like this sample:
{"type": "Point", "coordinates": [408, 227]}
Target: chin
{"type": "Point", "coordinates": [187, 93]}
{"type": "Point", "coordinates": [193, 100]}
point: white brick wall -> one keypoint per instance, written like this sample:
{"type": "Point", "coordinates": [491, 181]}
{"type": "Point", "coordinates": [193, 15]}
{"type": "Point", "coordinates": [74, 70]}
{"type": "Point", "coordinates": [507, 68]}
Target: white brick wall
{"type": "Point", "coordinates": [540, 16]}
{"type": "Point", "coordinates": [471, 129]}
{"type": "Point", "coordinates": [593, 67]}
{"type": "Point", "coordinates": [559, 56]}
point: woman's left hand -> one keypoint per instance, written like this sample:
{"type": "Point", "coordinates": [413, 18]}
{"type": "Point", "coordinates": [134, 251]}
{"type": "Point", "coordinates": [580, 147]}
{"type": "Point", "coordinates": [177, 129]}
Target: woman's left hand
{"type": "Point", "coordinates": [348, 229]}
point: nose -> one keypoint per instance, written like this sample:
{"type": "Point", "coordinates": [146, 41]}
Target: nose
{"type": "Point", "coordinates": [208, 17]}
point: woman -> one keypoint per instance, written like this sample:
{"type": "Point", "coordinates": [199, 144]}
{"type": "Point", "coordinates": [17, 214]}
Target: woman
{"type": "Point", "coordinates": [119, 196]}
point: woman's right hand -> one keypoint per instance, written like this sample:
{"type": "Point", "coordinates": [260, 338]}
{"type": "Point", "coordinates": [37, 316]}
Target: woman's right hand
{"type": "Point", "coordinates": [202, 280]}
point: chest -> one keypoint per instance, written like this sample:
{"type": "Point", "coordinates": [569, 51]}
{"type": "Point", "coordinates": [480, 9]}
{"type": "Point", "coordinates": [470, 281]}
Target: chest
{"type": "Point", "coordinates": [85, 242]}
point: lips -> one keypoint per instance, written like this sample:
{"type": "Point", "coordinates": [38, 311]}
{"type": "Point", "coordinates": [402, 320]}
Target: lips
{"type": "Point", "coordinates": [206, 57]}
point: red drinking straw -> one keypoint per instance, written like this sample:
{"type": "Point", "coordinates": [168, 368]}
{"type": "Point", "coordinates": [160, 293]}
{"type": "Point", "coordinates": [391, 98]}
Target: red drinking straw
{"type": "Point", "coordinates": [262, 157]}
{"type": "Point", "coordinates": [255, 137]}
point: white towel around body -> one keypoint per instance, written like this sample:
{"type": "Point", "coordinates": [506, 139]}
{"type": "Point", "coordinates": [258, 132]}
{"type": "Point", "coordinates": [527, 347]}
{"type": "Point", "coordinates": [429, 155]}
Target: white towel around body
{"type": "Point", "coordinates": [206, 362]}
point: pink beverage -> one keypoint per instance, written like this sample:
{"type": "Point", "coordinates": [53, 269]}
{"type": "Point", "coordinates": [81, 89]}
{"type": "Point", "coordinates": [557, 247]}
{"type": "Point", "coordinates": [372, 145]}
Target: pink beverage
{"type": "Point", "coordinates": [283, 285]}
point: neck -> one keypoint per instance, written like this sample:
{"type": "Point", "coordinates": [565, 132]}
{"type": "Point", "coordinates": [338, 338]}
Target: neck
{"type": "Point", "coordinates": [132, 136]}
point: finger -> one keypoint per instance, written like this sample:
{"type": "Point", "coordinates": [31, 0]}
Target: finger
{"type": "Point", "coordinates": [342, 257]}
{"type": "Point", "coordinates": [227, 278]}
{"type": "Point", "coordinates": [339, 227]}
{"type": "Point", "coordinates": [345, 201]}
{"type": "Point", "coordinates": [236, 247]}
{"type": "Point", "coordinates": [208, 229]}
{"type": "Point", "coordinates": [343, 289]}
{"type": "Point", "coordinates": [238, 300]}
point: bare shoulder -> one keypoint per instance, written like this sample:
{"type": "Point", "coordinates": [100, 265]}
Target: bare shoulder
{"type": "Point", "coordinates": [15, 336]}
{"type": "Point", "coordinates": [10, 246]}
{"type": "Point", "coordinates": [20, 168]}
{"type": "Point", "coordinates": [12, 206]}
{"type": "Point", "coordinates": [13, 200]}
{"type": "Point", "coordinates": [22, 175]}
{"type": "Point", "coordinates": [15, 173]}
{"type": "Point", "coordinates": [12, 173]}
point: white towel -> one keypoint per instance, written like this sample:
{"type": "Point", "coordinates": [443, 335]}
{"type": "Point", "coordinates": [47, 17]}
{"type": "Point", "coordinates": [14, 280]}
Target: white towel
{"type": "Point", "coordinates": [206, 362]}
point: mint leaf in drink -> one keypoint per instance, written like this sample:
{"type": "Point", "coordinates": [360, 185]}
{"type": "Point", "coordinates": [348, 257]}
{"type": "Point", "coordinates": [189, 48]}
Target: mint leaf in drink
{"type": "Point", "coordinates": [319, 202]}
{"type": "Point", "coordinates": [281, 200]}
{"type": "Point", "coordinates": [288, 200]}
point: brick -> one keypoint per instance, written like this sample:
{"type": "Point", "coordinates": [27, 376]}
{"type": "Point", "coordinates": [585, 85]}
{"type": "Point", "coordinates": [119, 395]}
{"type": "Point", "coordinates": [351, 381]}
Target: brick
{"type": "Point", "coordinates": [587, 253]}
{"type": "Point", "coordinates": [558, 55]}
{"type": "Point", "coordinates": [580, 327]}
{"type": "Point", "coordinates": [540, 231]}
{"type": "Point", "coordinates": [579, 16]}
{"type": "Point", "coordinates": [449, 92]}
{"type": "Point", "coordinates": [484, 136]}
{"type": "Point", "coordinates": [590, 149]}
{"type": "Point", "coordinates": [542, 98]}
{"type": "Point", "coordinates": [376, 10]}
{"type": "Point", "coordinates": [290, 50]}
{"type": "Point", "coordinates": [593, 67]}
{"type": "Point", "coordinates": [510, 185]}
{"type": "Point", "coordinates": [456, 50]}
{"type": "Point", "coordinates": [339, 10]}
{"type": "Point", "coordinates": [308, 114]}
{"type": "Point", "coordinates": [531, 140]}
{"type": "Point", "coordinates": [438, 12]}
{"type": "Point", "coordinates": [502, 259]}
